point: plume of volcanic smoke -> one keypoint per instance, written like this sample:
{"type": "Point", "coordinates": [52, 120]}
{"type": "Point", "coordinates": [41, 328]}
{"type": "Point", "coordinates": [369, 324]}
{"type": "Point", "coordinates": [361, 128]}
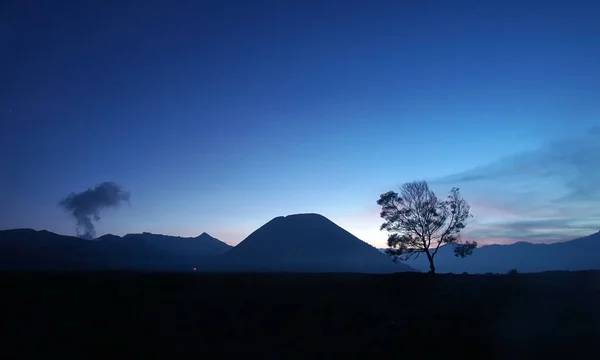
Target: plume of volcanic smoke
{"type": "Point", "coordinates": [87, 205]}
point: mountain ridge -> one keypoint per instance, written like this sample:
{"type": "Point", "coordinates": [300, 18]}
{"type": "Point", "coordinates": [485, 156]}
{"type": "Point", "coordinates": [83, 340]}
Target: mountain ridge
{"type": "Point", "coordinates": [581, 253]}
{"type": "Point", "coordinates": [201, 246]}
{"type": "Point", "coordinates": [298, 242]}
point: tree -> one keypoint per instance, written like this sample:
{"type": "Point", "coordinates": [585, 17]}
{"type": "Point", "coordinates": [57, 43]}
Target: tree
{"type": "Point", "coordinates": [418, 222]}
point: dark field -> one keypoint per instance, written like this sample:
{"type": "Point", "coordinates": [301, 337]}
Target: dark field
{"type": "Point", "coordinates": [294, 316]}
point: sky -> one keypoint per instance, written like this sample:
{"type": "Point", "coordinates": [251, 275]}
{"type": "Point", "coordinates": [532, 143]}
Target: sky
{"type": "Point", "coordinates": [217, 116]}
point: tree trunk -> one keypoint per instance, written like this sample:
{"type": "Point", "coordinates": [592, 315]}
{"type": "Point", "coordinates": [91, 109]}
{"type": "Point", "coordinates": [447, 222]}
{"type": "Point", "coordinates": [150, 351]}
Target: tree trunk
{"type": "Point", "coordinates": [431, 265]}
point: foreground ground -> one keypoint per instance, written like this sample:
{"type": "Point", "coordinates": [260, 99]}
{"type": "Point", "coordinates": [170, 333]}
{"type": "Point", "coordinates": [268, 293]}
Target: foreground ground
{"type": "Point", "coordinates": [293, 316]}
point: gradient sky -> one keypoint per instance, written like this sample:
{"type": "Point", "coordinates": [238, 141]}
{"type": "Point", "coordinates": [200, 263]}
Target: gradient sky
{"type": "Point", "coordinates": [221, 115]}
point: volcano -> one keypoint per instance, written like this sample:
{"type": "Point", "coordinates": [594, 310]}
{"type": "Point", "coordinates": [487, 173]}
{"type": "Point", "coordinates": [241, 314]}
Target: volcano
{"type": "Point", "coordinates": [307, 243]}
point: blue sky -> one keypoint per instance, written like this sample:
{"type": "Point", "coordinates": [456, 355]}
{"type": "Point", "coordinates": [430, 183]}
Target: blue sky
{"type": "Point", "coordinates": [221, 115]}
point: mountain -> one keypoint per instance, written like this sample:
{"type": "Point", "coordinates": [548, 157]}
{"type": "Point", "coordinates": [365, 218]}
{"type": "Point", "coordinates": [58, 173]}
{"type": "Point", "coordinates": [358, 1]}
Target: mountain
{"type": "Point", "coordinates": [306, 243]}
{"type": "Point", "coordinates": [578, 254]}
{"type": "Point", "coordinates": [200, 246]}
{"type": "Point", "coordinates": [30, 249]}
{"type": "Point", "coordinates": [44, 250]}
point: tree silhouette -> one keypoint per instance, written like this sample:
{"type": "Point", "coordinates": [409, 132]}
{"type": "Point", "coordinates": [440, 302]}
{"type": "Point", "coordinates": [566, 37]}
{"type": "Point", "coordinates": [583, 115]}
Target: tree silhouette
{"type": "Point", "coordinates": [418, 222]}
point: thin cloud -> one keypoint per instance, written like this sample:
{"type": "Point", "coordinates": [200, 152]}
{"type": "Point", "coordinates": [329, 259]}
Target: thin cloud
{"type": "Point", "coordinates": [574, 162]}
{"type": "Point", "coordinates": [551, 194]}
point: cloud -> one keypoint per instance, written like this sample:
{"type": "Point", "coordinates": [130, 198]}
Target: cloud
{"type": "Point", "coordinates": [574, 162]}
{"type": "Point", "coordinates": [532, 230]}
{"type": "Point", "coordinates": [550, 194]}
{"type": "Point", "coordinates": [87, 205]}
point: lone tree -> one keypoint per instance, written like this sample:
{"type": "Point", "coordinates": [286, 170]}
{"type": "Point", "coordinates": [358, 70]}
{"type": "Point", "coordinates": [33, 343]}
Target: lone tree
{"type": "Point", "coordinates": [418, 222]}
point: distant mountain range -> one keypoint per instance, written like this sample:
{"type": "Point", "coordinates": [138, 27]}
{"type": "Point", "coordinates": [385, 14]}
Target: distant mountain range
{"type": "Point", "coordinates": [30, 249]}
{"type": "Point", "coordinates": [199, 246]}
{"type": "Point", "coordinates": [295, 243]}
{"type": "Point", "coordinates": [578, 254]}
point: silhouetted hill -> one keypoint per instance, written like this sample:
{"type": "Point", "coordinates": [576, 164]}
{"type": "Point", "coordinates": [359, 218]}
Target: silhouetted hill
{"type": "Point", "coordinates": [306, 243]}
{"type": "Point", "coordinates": [578, 254]}
{"type": "Point", "coordinates": [43, 250]}
{"type": "Point", "coordinates": [30, 249]}
{"type": "Point", "coordinates": [108, 237]}
{"type": "Point", "coordinates": [200, 246]}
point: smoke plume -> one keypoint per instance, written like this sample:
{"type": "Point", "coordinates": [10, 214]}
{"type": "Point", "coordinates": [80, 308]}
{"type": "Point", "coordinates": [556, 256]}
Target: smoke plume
{"type": "Point", "coordinates": [87, 205]}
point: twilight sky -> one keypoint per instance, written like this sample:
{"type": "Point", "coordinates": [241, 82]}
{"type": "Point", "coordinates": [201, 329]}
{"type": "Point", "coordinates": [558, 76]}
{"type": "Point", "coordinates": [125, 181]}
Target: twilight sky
{"type": "Point", "coordinates": [220, 115]}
